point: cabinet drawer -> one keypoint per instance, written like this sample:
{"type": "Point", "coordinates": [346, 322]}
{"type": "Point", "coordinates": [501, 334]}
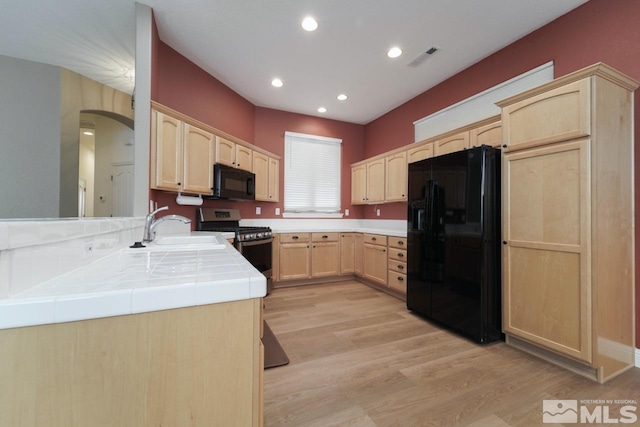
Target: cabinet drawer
{"type": "Point", "coordinates": [398, 254]}
{"type": "Point", "coordinates": [294, 237]}
{"type": "Point", "coordinates": [557, 115]}
{"type": "Point", "coordinates": [397, 281]}
{"type": "Point", "coordinates": [398, 266]}
{"type": "Point", "coordinates": [375, 239]}
{"type": "Point", "coordinates": [397, 242]}
{"type": "Point", "coordinates": [324, 237]}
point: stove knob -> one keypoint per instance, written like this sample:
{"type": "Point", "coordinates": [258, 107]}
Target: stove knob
{"type": "Point", "coordinates": [260, 235]}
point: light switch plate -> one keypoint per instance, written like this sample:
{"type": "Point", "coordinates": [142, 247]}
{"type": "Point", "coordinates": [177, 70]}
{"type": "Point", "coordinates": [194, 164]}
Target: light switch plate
{"type": "Point", "coordinates": [258, 210]}
{"type": "Point", "coordinates": [378, 212]}
{"type": "Point", "coordinates": [277, 211]}
{"type": "Point", "coordinates": [346, 212]}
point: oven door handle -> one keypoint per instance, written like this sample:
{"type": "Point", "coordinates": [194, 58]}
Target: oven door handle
{"type": "Point", "coordinates": [255, 242]}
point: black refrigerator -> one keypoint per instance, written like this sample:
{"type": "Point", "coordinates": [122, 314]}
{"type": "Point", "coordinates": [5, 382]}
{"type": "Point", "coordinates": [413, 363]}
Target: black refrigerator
{"type": "Point", "coordinates": [453, 242]}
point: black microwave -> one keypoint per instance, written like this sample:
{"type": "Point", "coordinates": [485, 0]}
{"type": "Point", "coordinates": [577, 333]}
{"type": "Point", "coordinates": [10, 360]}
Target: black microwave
{"type": "Point", "coordinates": [233, 184]}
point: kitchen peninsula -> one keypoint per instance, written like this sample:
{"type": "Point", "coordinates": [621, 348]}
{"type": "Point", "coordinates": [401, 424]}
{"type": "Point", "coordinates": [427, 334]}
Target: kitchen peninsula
{"type": "Point", "coordinates": [153, 336]}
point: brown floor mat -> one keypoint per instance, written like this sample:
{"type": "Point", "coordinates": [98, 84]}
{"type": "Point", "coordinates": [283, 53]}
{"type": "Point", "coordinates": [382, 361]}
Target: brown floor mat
{"type": "Point", "coordinates": [274, 355]}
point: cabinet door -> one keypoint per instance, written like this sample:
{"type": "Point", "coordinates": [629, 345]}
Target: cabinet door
{"type": "Point", "coordinates": [358, 254]}
{"type": "Point", "coordinates": [560, 114]}
{"type": "Point", "coordinates": [359, 184]}
{"type": "Point", "coordinates": [347, 253]}
{"type": "Point", "coordinates": [420, 153]}
{"type": "Point", "coordinates": [243, 157]}
{"type": "Point", "coordinates": [198, 160]}
{"type": "Point", "coordinates": [396, 182]}
{"type": "Point", "coordinates": [166, 152]}
{"type": "Point", "coordinates": [375, 181]}
{"type": "Point", "coordinates": [274, 180]}
{"type": "Point", "coordinates": [490, 135]}
{"type": "Point", "coordinates": [295, 261]}
{"type": "Point", "coordinates": [452, 144]}
{"type": "Point", "coordinates": [225, 152]}
{"type": "Point", "coordinates": [325, 259]}
{"type": "Point", "coordinates": [375, 263]}
{"type": "Point", "coordinates": [261, 170]}
{"type": "Point", "coordinates": [546, 258]}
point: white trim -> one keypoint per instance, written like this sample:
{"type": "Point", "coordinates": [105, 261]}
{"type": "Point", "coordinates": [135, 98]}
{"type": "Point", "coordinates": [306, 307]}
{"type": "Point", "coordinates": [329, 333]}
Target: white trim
{"type": "Point", "coordinates": [314, 137]}
{"type": "Point", "coordinates": [637, 357]}
{"type": "Point", "coordinates": [481, 105]}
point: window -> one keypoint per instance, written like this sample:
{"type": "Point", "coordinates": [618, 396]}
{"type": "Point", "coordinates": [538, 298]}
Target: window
{"type": "Point", "coordinates": [311, 174]}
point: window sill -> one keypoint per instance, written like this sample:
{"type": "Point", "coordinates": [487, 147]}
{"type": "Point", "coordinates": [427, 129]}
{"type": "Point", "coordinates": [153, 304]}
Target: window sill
{"type": "Point", "coordinates": [311, 215]}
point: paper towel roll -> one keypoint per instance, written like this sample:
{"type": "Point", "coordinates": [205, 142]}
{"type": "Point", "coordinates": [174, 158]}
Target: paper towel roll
{"type": "Point", "coordinates": [189, 200]}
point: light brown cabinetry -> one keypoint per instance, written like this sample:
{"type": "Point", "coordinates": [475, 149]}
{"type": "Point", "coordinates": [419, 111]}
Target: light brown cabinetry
{"type": "Point", "coordinates": [451, 144]}
{"type": "Point", "coordinates": [397, 260]}
{"type": "Point", "coordinates": [396, 180]}
{"type": "Point", "coordinates": [358, 255]}
{"type": "Point", "coordinates": [347, 253]}
{"type": "Point", "coordinates": [422, 152]}
{"type": "Point", "coordinates": [368, 182]}
{"type": "Point", "coordinates": [295, 256]}
{"type": "Point", "coordinates": [266, 170]}
{"type": "Point", "coordinates": [231, 154]}
{"type": "Point", "coordinates": [100, 372]}
{"type": "Point", "coordinates": [375, 258]}
{"type": "Point", "coordinates": [181, 156]}
{"type": "Point", "coordinates": [490, 134]}
{"type": "Point", "coordinates": [325, 254]}
{"type": "Point", "coordinates": [568, 267]}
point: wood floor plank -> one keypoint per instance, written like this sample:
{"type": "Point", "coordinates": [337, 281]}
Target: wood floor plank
{"type": "Point", "coordinates": [359, 358]}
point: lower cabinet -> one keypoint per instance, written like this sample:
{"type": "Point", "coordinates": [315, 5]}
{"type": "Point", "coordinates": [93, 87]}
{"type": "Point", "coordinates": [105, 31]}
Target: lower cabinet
{"type": "Point", "coordinates": [295, 256]}
{"type": "Point", "coordinates": [347, 253]}
{"type": "Point", "coordinates": [325, 254]}
{"type": "Point", "coordinates": [358, 254]}
{"type": "Point", "coordinates": [398, 264]}
{"type": "Point", "coordinates": [375, 258]}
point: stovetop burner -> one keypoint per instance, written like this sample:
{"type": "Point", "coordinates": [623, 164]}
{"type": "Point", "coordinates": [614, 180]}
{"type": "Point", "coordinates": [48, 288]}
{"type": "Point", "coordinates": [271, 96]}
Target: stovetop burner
{"type": "Point", "coordinates": [228, 220]}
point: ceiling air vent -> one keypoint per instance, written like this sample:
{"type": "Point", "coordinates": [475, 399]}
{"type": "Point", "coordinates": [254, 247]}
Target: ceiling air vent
{"type": "Point", "coordinates": [424, 55]}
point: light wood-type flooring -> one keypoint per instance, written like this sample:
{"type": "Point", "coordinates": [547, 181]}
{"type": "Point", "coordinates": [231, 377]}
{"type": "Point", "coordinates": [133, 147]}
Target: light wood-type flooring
{"type": "Point", "coordinates": [359, 358]}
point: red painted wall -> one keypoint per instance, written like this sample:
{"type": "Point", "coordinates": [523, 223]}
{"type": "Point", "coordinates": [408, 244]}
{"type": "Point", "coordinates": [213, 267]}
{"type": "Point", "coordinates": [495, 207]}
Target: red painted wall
{"type": "Point", "coordinates": [598, 31]}
{"type": "Point", "coordinates": [270, 127]}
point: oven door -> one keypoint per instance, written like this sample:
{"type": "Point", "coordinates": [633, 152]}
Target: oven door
{"type": "Point", "coordinates": [259, 253]}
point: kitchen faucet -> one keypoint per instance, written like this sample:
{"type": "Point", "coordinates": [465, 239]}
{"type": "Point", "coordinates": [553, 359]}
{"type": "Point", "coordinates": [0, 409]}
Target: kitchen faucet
{"type": "Point", "coordinates": [150, 223]}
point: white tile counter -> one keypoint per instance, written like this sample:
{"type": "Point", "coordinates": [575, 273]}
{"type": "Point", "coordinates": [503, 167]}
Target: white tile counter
{"type": "Point", "coordinates": [396, 228]}
{"type": "Point", "coordinates": [129, 281]}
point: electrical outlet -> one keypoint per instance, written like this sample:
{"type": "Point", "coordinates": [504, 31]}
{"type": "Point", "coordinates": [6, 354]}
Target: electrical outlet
{"type": "Point", "coordinates": [258, 210]}
{"type": "Point", "coordinates": [378, 212]}
{"type": "Point", "coordinates": [346, 212]}
{"type": "Point", "coordinates": [277, 211]}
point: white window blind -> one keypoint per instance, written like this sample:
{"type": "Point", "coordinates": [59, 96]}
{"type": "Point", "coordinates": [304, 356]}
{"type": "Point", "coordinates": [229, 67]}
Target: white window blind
{"type": "Point", "coordinates": [311, 173]}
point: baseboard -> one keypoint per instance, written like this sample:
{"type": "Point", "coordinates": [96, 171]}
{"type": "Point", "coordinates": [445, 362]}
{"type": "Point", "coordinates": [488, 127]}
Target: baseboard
{"type": "Point", "coordinates": [637, 357]}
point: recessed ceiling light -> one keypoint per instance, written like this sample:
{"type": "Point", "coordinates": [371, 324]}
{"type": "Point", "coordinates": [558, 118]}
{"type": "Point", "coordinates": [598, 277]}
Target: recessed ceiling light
{"type": "Point", "coordinates": [88, 132]}
{"type": "Point", "coordinates": [322, 110]}
{"type": "Point", "coordinates": [277, 83]}
{"type": "Point", "coordinates": [342, 97]}
{"type": "Point", "coordinates": [309, 24]}
{"type": "Point", "coordinates": [394, 52]}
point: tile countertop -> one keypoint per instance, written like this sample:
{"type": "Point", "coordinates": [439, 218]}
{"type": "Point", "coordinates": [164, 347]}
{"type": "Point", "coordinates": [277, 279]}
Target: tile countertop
{"type": "Point", "coordinates": [129, 282]}
{"type": "Point", "coordinates": [384, 232]}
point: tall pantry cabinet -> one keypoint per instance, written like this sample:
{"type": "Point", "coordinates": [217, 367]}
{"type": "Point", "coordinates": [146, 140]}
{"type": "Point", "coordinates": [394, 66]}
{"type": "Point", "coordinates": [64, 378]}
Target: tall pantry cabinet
{"type": "Point", "coordinates": [568, 225]}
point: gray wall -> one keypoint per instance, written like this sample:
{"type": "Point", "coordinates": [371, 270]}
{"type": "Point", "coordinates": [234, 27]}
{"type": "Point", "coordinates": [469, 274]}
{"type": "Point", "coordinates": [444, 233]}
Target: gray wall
{"type": "Point", "coordinates": [29, 139]}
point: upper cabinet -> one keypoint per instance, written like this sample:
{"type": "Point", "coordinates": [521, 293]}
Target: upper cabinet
{"type": "Point", "coordinates": [396, 181]}
{"type": "Point", "coordinates": [490, 135]}
{"type": "Point", "coordinates": [267, 174]}
{"type": "Point", "coordinates": [184, 150]}
{"type": "Point", "coordinates": [452, 144]}
{"type": "Point", "coordinates": [368, 182]}
{"type": "Point", "coordinates": [181, 156]}
{"type": "Point", "coordinates": [235, 155]}
{"type": "Point", "coordinates": [422, 152]}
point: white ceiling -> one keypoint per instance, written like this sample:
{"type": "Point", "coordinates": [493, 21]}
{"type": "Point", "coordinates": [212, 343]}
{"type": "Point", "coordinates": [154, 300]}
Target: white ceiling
{"type": "Point", "coordinates": [246, 43]}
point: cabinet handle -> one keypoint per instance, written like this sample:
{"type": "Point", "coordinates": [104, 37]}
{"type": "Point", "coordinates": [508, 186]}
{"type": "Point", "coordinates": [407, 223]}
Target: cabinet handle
{"type": "Point", "coordinates": [400, 243]}
{"type": "Point", "coordinates": [373, 239]}
{"type": "Point", "coordinates": [400, 267]}
{"type": "Point", "coordinates": [325, 237]}
{"type": "Point", "coordinates": [179, 183]}
{"type": "Point", "coordinates": [504, 145]}
{"type": "Point", "coordinates": [504, 242]}
{"type": "Point", "coordinates": [294, 237]}
{"type": "Point", "coordinates": [400, 279]}
{"type": "Point", "coordinates": [400, 255]}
